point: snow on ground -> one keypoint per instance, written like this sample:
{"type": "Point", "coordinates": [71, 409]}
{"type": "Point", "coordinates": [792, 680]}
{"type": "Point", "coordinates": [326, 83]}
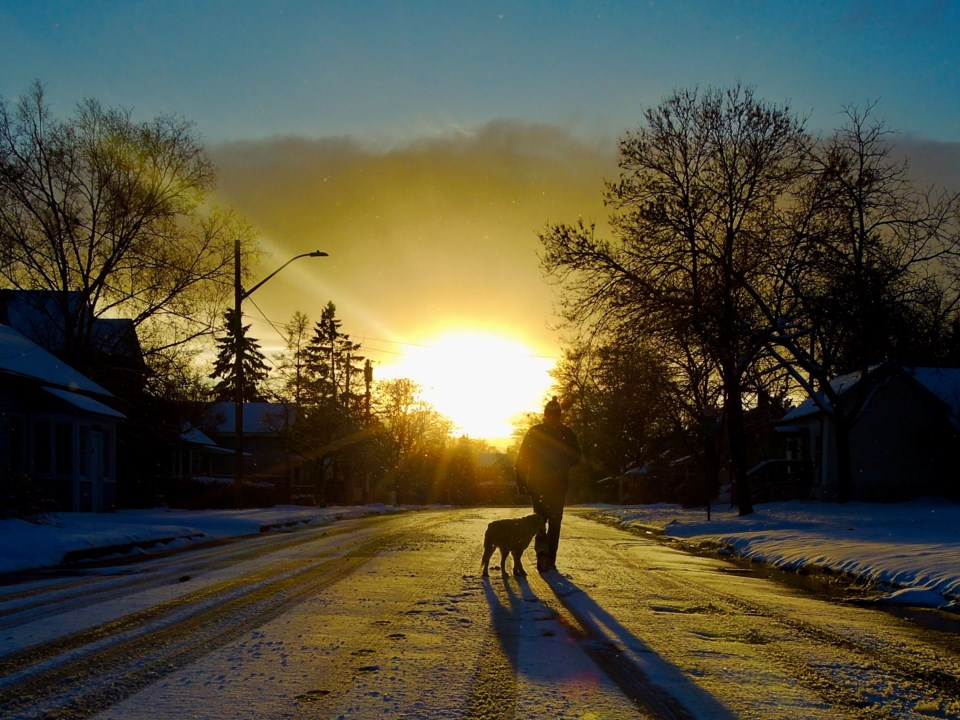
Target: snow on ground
{"type": "Point", "coordinates": [80, 536]}
{"type": "Point", "coordinates": [910, 550]}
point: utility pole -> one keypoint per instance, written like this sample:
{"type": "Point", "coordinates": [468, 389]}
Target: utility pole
{"type": "Point", "coordinates": [367, 381]}
{"type": "Point", "coordinates": [237, 377]}
{"type": "Point", "coordinates": [239, 295]}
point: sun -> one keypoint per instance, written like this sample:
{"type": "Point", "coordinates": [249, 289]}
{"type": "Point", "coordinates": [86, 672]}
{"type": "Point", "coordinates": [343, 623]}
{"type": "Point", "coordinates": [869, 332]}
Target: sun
{"type": "Point", "coordinates": [481, 381]}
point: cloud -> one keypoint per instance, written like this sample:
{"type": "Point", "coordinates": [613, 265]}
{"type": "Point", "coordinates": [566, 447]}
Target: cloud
{"type": "Point", "coordinates": [931, 162]}
{"type": "Point", "coordinates": [437, 233]}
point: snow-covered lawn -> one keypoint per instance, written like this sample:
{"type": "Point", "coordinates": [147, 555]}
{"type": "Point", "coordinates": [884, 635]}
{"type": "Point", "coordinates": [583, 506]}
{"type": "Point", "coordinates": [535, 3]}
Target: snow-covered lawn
{"type": "Point", "coordinates": [25, 545]}
{"type": "Point", "coordinates": [912, 550]}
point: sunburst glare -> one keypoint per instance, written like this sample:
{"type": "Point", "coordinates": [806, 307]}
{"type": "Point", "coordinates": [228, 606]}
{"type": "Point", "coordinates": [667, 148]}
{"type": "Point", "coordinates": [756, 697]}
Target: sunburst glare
{"type": "Point", "coordinates": [479, 380]}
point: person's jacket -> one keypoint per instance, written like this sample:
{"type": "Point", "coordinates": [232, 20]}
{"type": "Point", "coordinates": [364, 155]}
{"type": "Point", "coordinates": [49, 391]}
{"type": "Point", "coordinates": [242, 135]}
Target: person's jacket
{"type": "Point", "coordinates": [546, 455]}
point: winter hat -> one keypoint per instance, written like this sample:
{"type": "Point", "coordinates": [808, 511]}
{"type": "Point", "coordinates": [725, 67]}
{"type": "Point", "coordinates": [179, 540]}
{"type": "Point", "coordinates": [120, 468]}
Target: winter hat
{"type": "Point", "coordinates": [552, 407]}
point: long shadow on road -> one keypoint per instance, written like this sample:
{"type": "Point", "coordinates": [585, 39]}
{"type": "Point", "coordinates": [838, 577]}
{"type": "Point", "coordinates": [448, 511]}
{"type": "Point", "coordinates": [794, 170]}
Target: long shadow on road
{"type": "Point", "coordinates": [519, 614]}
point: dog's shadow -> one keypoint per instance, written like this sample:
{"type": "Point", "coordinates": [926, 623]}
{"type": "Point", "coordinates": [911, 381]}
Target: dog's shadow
{"type": "Point", "coordinates": [515, 610]}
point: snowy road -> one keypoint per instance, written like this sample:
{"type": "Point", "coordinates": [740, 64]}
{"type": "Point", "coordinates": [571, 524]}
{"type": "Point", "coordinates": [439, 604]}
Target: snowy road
{"type": "Point", "coordinates": [389, 617]}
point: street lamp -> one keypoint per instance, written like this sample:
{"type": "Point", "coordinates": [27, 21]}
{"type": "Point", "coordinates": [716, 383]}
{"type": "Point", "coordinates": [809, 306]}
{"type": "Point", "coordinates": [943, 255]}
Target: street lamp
{"type": "Point", "coordinates": [239, 295]}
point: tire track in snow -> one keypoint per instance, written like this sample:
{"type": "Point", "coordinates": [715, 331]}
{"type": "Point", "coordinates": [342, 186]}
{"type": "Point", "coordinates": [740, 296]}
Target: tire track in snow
{"type": "Point", "coordinates": [95, 669]}
{"type": "Point", "coordinates": [34, 604]}
{"type": "Point", "coordinates": [494, 696]}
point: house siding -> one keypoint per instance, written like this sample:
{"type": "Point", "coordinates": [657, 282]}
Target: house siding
{"type": "Point", "coordinates": [904, 443]}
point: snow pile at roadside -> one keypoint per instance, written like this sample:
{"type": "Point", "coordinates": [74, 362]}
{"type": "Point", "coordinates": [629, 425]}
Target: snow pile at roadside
{"type": "Point", "coordinates": [910, 550]}
{"type": "Point", "coordinates": [25, 545]}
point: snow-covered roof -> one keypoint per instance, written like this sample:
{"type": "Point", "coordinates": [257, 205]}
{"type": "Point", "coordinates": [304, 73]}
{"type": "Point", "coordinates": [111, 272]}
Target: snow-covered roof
{"type": "Point", "coordinates": [38, 315]}
{"type": "Point", "coordinates": [839, 384]}
{"type": "Point", "coordinates": [87, 404]}
{"type": "Point", "coordinates": [195, 436]}
{"type": "Point", "coordinates": [258, 417]}
{"type": "Point", "coordinates": [942, 383]}
{"type": "Point", "coordinates": [21, 356]}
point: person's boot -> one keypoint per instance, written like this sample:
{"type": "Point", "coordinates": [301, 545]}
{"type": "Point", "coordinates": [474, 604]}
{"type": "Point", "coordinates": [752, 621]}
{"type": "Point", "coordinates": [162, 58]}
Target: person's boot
{"type": "Point", "coordinates": [543, 553]}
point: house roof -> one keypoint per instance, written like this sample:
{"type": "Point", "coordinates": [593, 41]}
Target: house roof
{"type": "Point", "coordinates": [490, 459]}
{"type": "Point", "coordinates": [37, 314]}
{"type": "Point", "coordinates": [195, 436]}
{"type": "Point", "coordinates": [839, 384]}
{"type": "Point", "coordinates": [942, 383]}
{"type": "Point", "coordinates": [87, 404]}
{"type": "Point", "coordinates": [259, 418]}
{"type": "Point", "coordinates": [21, 356]}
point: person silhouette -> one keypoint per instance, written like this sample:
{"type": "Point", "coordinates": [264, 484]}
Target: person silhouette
{"type": "Point", "coordinates": [548, 451]}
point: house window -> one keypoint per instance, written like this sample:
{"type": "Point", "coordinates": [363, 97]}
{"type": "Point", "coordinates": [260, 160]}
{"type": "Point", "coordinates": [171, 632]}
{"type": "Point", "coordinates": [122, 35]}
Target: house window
{"type": "Point", "coordinates": [100, 451]}
{"type": "Point", "coordinates": [84, 445]}
{"type": "Point", "coordinates": [106, 452]}
{"type": "Point", "coordinates": [18, 460]}
{"type": "Point", "coordinates": [63, 439]}
{"type": "Point", "coordinates": [42, 446]}
{"type": "Point", "coordinates": [793, 448]}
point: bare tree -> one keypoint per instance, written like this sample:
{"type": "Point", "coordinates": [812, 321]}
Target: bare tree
{"type": "Point", "coordinates": [414, 432]}
{"type": "Point", "coordinates": [623, 396]}
{"type": "Point", "coordinates": [291, 377]}
{"type": "Point", "coordinates": [108, 214]}
{"type": "Point", "coordinates": [870, 274]}
{"type": "Point", "coordinates": [695, 209]}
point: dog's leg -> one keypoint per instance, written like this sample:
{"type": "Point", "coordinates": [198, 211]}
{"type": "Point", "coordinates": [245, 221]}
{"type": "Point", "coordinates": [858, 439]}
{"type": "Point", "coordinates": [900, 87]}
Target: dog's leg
{"type": "Point", "coordinates": [487, 552]}
{"type": "Point", "coordinates": [518, 570]}
{"type": "Point", "coordinates": [504, 553]}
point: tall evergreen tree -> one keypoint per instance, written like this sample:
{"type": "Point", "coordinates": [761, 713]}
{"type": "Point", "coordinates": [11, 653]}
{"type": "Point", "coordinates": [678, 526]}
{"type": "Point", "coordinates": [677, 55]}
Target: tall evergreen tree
{"type": "Point", "coordinates": [333, 408]}
{"type": "Point", "coordinates": [255, 368]}
{"type": "Point", "coordinates": [334, 366]}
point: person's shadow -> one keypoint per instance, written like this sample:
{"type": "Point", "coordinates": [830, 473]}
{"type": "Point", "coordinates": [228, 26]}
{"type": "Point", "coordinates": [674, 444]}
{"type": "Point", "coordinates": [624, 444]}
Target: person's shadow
{"type": "Point", "coordinates": [652, 683]}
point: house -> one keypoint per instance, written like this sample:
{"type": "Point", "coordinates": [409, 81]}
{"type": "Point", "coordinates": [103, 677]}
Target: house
{"type": "Point", "coordinates": [267, 460]}
{"type": "Point", "coordinates": [56, 428]}
{"type": "Point", "coordinates": [663, 478]}
{"type": "Point", "coordinates": [635, 485]}
{"type": "Point", "coordinates": [904, 439]}
{"type": "Point", "coordinates": [105, 349]}
{"type": "Point", "coordinates": [197, 456]}
{"type": "Point", "coordinates": [495, 479]}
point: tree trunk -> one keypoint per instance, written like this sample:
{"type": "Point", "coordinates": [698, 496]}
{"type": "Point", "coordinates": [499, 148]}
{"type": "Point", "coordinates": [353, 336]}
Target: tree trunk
{"type": "Point", "coordinates": [737, 440]}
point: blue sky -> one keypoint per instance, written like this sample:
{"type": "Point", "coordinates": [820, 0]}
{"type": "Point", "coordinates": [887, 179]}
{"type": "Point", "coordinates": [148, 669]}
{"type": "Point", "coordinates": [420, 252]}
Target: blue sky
{"type": "Point", "coordinates": [424, 144]}
{"type": "Point", "coordinates": [250, 69]}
